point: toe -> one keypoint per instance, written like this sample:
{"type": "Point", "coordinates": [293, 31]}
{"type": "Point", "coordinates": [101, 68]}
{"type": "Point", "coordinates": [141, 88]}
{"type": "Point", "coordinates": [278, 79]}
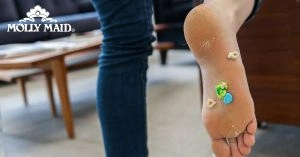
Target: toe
{"type": "Point", "coordinates": [235, 152]}
{"type": "Point", "coordinates": [249, 140]}
{"type": "Point", "coordinates": [220, 148]}
{"type": "Point", "coordinates": [251, 128]}
{"type": "Point", "coordinates": [244, 149]}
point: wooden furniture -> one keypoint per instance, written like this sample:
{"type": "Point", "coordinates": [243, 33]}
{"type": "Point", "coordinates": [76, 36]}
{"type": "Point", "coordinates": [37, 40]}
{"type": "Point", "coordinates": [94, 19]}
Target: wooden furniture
{"type": "Point", "coordinates": [271, 55]}
{"type": "Point", "coordinates": [54, 61]}
{"type": "Point", "coordinates": [20, 76]}
{"type": "Point", "coordinates": [57, 63]}
{"type": "Point", "coordinates": [169, 18]}
{"type": "Point", "coordinates": [73, 61]}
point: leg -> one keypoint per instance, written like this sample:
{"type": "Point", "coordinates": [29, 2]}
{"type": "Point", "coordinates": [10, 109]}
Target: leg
{"type": "Point", "coordinates": [210, 30]}
{"type": "Point", "coordinates": [21, 83]}
{"type": "Point", "coordinates": [60, 74]}
{"type": "Point", "coordinates": [262, 125]}
{"type": "Point", "coordinates": [163, 57]}
{"type": "Point", "coordinates": [50, 93]}
{"type": "Point", "coordinates": [163, 48]}
{"type": "Point", "coordinates": [121, 90]}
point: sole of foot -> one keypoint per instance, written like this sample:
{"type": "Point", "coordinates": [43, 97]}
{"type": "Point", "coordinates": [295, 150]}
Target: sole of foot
{"type": "Point", "coordinates": [211, 38]}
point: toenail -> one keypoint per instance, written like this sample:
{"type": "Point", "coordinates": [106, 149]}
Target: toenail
{"type": "Point", "coordinates": [211, 103]}
{"type": "Point", "coordinates": [233, 55]}
{"type": "Point", "coordinates": [228, 99]}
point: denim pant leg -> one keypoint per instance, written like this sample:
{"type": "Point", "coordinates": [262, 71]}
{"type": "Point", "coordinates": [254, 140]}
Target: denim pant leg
{"type": "Point", "coordinates": [121, 91]}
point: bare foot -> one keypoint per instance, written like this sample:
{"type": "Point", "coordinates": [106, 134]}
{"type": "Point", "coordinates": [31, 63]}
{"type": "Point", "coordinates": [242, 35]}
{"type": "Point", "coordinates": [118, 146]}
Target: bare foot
{"type": "Point", "coordinates": [231, 126]}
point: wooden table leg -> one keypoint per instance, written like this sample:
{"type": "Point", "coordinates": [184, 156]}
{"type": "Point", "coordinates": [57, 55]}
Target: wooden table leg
{"type": "Point", "coordinates": [50, 93]}
{"type": "Point", "coordinates": [60, 75]}
{"type": "Point", "coordinates": [21, 83]}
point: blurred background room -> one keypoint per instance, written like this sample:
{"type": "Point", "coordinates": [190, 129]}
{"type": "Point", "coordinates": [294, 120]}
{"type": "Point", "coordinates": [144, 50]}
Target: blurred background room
{"type": "Point", "coordinates": [48, 80]}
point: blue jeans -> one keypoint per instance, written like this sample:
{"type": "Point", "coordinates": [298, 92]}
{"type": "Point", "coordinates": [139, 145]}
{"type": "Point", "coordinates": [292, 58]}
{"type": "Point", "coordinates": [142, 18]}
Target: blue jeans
{"type": "Point", "coordinates": [121, 89]}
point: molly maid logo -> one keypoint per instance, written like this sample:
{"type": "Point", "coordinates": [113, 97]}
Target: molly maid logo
{"type": "Point", "coordinates": [38, 20]}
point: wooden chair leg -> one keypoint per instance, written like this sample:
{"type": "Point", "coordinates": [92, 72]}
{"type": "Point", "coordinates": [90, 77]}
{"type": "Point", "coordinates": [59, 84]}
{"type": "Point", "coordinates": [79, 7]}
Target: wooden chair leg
{"type": "Point", "coordinates": [262, 125]}
{"type": "Point", "coordinates": [163, 57]}
{"type": "Point", "coordinates": [21, 84]}
{"type": "Point", "coordinates": [50, 93]}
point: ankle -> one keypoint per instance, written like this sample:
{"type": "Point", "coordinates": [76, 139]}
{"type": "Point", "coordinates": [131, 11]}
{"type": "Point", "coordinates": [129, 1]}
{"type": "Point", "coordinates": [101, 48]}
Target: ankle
{"type": "Point", "coordinates": [242, 11]}
{"type": "Point", "coordinates": [233, 11]}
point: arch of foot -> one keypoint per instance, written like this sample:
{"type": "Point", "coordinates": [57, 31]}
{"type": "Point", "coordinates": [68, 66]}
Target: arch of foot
{"type": "Point", "coordinates": [221, 88]}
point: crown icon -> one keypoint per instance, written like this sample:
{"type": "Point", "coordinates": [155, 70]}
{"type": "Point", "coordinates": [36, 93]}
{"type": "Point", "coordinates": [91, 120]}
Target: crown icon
{"type": "Point", "coordinates": [37, 12]}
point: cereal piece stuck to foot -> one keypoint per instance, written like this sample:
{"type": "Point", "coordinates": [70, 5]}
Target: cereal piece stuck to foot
{"type": "Point", "coordinates": [221, 89]}
{"type": "Point", "coordinates": [211, 103]}
{"type": "Point", "coordinates": [228, 98]}
{"type": "Point", "coordinates": [233, 55]}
